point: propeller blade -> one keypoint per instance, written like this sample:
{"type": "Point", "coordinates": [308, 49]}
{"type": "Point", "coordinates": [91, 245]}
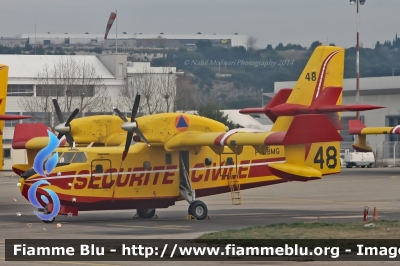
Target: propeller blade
{"type": "Point", "coordinates": [70, 140]}
{"type": "Point", "coordinates": [141, 136]}
{"type": "Point", "coordinates": [58, 111]}
{"type": "Point", "coordinates": [136, 130]}
{"type": "Point", "coordinates": [60, 135]}
{"type": "Point", "coordinates": [127, 144]}
{"type": "Point", "coordinates": [72, 116]}
{"type": "Point", "coordinates": [135, 107]}
{"type": "Point", "coordinates": [120, 114]}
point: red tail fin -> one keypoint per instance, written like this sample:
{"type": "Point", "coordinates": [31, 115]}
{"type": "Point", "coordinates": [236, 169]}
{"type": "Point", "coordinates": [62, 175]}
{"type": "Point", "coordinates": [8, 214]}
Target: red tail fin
{"type": "Point", "coordinates": [328, 97]}
{"type": "Point", "coordinates": [355, 126]}
{"type": "Point", "coordinates": [25, 132]}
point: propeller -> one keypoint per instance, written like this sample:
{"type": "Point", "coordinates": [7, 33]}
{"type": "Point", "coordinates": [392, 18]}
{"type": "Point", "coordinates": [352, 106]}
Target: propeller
{"type": "Point", "coordinates": [64, 128]}
{"type": "Point", "coordinates": [131, 126]}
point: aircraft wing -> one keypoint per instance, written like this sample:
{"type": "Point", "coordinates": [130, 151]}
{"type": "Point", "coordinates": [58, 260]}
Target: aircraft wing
{"type": "Point", "coordinates": [304, 129]}
{"type": "Point", "coordinates": [356, 127]}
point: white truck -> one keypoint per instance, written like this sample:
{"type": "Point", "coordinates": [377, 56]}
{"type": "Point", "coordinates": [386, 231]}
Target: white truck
{"type": "Point", "coordinates": [363, 159]}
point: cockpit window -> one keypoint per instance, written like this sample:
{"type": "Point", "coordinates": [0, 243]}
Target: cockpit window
{"type": "Point", "coordinates": [79, 158]}
{"type": "Point", "coordinates": [72, 157]}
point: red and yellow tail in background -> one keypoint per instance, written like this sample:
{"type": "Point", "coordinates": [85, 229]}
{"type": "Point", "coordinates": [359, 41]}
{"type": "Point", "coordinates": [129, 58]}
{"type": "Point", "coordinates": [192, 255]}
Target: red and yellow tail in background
{"type": "Point", "coordinates": [3, 116]}
{"type": "Point", "coordinates": [3, 95]}
{"type": "Point", "coordinates": [356, 127]}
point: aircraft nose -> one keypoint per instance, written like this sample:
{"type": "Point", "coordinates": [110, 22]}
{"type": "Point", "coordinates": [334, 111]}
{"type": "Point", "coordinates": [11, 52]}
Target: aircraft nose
{"type": "Point", "coordinates": [28, 174]}
{"type": "Point", "coordinates": [21, 183]}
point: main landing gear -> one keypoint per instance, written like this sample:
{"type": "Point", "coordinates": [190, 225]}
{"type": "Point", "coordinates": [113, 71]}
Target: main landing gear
{"type": "Point", "coordinates": [146, 213]}
{"type": "Point", "coordinates": [198, 210]}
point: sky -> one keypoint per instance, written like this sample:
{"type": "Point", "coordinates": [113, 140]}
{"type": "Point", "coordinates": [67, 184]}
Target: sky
{"type": "Point", "coordinates": [269, 21]}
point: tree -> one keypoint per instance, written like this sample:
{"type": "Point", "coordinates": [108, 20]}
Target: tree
{"type": "Point", "coordinates": [187, 96]}
{"type": "Point", "coordinates": [314, 45]}
{"type": "Point", "coordinates": [279, 47]}
{"type": "Point", "coordinates": [73, 84]}
{"type": "Point", "coordinates": [162, 42]}
{"type": "Point", "coordinates": [158, 92]}
{"type": "Point", "coordinates": [212, 111]}
{"type": "Point", "coordinates": [251, 43]}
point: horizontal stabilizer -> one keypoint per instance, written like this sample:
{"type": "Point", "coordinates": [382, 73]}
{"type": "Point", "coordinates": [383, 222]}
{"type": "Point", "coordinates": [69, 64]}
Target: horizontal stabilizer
{"type": "Point", "coordinates": [14, 117]}
{"type": "Point", "coordinates": [19, 169]}
{"type": "Point", "coordinates": [356, 127]}
{"type": "Point", "coordinates": [290, 109]}
{"type": "Point", "coordinates": [278, 99]}
{"type": "Point", "coordinates": [361, 107]}
{"type": "Point", "coordinates": [25, 132]}
{"type": "Point", "coordinates": [294, 172]}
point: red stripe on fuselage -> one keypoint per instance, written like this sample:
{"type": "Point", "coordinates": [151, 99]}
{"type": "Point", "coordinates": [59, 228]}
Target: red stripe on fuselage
{"type": "Point", "coordinates": [217, 141]}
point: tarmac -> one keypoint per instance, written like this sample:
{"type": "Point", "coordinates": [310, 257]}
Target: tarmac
{"type": "Point", "coordinates": [336, 198]}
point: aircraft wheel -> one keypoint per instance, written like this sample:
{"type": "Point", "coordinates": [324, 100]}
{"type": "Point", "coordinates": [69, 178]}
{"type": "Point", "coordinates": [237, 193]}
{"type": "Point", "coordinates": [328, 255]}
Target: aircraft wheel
{"type": "Point", "coordinates": [363, 166]}
{"type": "Point", "coordinates": [146, 213]}
{"type": "Point", "coordinates": [198, 210]}
{"type": "Point", "coordinates": [45, 211]}
{"type": "Point", "coordinates": [370, 165]}
{"type": "Point", "coordinates": [49, 221]}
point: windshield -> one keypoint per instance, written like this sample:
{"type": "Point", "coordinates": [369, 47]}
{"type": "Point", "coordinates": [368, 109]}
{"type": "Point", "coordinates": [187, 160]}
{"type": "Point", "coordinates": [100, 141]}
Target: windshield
{"type": "Point", "coordinates": [72, 157]}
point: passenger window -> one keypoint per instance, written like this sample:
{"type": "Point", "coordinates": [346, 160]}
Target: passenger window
{"type": "Point", "coordinates": [208, 161]}
{"type": "Point", "coordinates": [146, 165]}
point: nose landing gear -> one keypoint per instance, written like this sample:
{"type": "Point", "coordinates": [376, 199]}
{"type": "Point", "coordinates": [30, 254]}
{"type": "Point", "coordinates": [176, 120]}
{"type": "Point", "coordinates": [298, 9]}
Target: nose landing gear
{"type": "Point", "coordinates": [45, 211]}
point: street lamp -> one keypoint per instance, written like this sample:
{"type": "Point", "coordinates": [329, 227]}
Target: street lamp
{"type": "Point", "coordinates": [361, 2]}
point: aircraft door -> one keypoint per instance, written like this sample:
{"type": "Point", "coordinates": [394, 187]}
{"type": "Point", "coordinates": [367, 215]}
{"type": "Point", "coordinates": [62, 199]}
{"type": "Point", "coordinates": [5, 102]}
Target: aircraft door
{"type": "Point", "coordinates": [185, 187]}
{"type": "Point", "coordinates": [101, 175]}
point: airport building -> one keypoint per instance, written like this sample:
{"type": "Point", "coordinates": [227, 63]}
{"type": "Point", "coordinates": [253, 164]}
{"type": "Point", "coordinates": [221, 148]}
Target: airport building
{"type": "Point", "coordinates": [28, 82]}
{"type": "Point", "coordinates": [381, 91]}
{"type": "Point", "coordinates": [126, 42]}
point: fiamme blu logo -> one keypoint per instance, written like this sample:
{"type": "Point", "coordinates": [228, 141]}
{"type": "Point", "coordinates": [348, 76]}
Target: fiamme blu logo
{"type": "Point", "coordinates": [47, 159]}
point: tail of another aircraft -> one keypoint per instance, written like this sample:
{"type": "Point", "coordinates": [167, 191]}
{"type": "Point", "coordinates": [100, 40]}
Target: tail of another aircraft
{"type": "Point", "coordinates": [3, 116]}
{"type": "Point", "coordinates": [3, 94]}
{"type": "Point", "coordinates": [32, 137]}
{"type": "Point", "coordinates": [356, 127]}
